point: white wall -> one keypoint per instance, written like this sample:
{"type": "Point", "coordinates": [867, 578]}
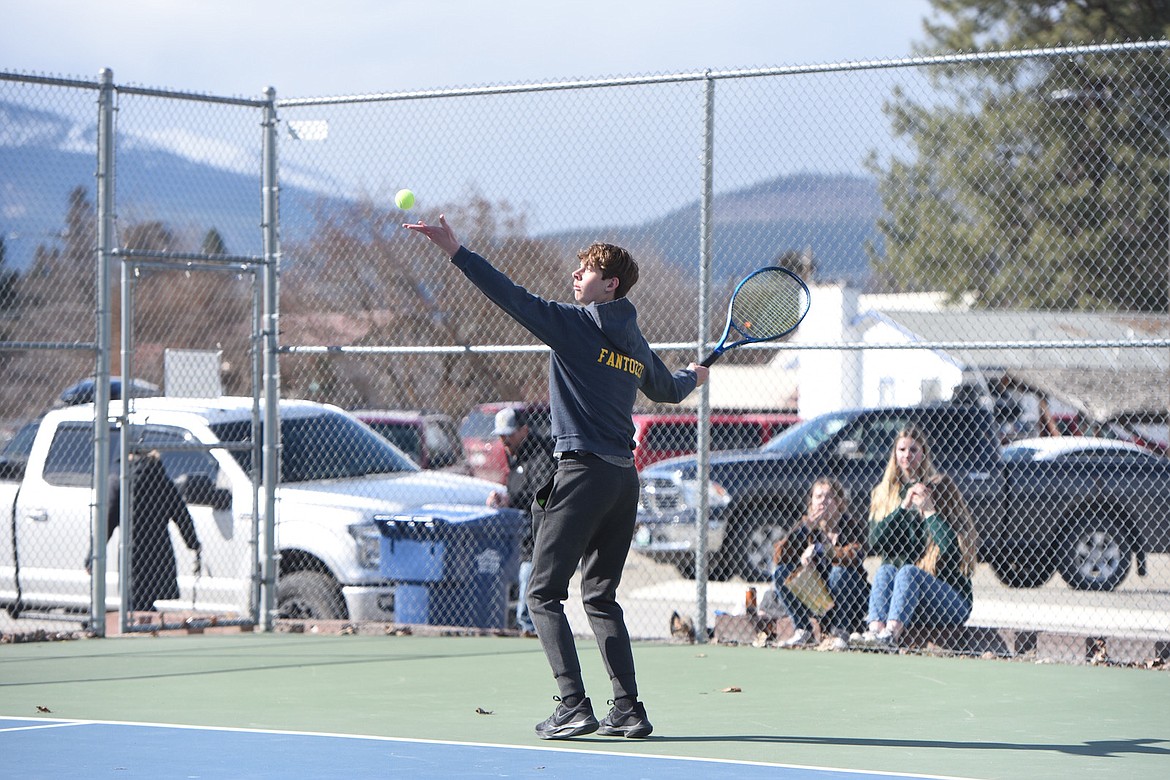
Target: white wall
{"type": "Point", "coordinates": [903, 377]}
{"type": "Point", "coordinates": [829, 379]}
{"type": "Point", "coordinates": [767, 387]}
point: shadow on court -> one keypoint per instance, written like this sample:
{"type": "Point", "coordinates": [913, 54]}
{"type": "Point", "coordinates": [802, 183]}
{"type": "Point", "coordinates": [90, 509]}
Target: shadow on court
{"type": "Point", "coordinates": [1102, 749]}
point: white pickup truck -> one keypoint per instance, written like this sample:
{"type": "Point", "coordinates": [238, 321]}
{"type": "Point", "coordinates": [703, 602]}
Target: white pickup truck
{"type": "Point", "coordinates": [336, 476]}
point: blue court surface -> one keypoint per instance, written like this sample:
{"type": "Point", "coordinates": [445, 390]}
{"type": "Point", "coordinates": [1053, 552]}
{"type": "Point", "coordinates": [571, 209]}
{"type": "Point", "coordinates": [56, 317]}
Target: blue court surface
{"type": "Point", "coordinates": [43, 748]}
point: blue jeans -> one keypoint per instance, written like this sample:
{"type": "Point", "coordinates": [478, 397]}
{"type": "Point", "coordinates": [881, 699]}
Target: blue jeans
{"type": "Point", "coordinates": [849, 589]}
{"type": "Point", "coordinates": [910, 595]}
{"type": "Point", "coordinates": [523, 619]}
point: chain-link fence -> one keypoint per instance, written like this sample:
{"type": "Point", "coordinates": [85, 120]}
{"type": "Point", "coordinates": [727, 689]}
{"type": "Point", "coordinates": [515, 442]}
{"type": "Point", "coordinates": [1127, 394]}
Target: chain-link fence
{"type": "Point", "coordinates": [985, 237]}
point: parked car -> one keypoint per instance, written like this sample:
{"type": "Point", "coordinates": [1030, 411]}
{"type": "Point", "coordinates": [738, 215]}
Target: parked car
{"type": "Point", "coordinates": [1147, 429]}
{"type": "Point", "coordinates": [1150, 430]}
{"type": "Point", "coordinates": [485, 455]}
{"type": "Point", "coordinates": [1070, 448]}
{"type": "Point", "coordinates": [431, 439]}
{"type": "Point", "coordinates": [670, 434]}
{"type": "Point", "coordinates": [83, 391]}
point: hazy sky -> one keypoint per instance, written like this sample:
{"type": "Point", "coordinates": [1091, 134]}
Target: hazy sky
{"type": "Point", "coordinates": [338, 47]}
{"type": "Point", "coordinates": [351, 47]}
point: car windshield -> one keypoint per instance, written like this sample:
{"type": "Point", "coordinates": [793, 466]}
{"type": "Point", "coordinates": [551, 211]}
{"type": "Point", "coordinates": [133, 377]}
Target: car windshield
{"type": "Point", "coordinates": [478, 425]}
{"type": "Point", "coordinates": [324, 446]}
{"type": "Point", "coordinates": [404, 436]}
{"type": "Point", "coordinates": [20, 445]}
{"type": "Point", "coordinates": [807, 436]}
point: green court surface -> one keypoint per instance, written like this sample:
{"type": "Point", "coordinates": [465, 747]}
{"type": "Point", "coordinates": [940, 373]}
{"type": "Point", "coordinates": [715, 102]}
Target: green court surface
{"type": "Point", "coordinates": [958, 717]}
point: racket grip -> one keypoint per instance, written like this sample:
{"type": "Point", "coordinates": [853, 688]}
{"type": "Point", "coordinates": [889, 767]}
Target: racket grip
{"type": "Point", "coordinates": [708, 361]}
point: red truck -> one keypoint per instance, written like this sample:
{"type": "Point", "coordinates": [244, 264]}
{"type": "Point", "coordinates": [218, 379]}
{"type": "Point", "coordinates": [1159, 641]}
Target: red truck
{"type": "Point", "coordinates": [670, 434]}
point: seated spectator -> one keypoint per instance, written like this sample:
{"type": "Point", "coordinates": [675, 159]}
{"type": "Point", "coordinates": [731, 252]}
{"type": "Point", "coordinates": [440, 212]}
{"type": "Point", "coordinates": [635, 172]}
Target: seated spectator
{"type": "Point", "coordinates": [924, 533]}
{"type": "Point", "coordinates": [824, 539]}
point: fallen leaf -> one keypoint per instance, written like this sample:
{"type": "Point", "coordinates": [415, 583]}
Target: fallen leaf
{"type": "Point", "coordinates": [733, 689]}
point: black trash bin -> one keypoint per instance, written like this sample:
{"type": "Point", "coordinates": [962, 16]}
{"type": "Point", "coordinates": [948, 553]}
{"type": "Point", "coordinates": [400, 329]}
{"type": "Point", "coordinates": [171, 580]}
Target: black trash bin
{"type": "Point", "coordinates": [453, 569]}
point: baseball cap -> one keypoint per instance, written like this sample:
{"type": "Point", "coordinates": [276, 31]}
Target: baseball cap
{"type": "Point", "coordinates": [508, 421]}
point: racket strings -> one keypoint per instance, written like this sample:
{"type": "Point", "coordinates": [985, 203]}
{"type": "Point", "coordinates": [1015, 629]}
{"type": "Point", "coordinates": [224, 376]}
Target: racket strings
{"type": "Point", "coordinates": [768, 305]}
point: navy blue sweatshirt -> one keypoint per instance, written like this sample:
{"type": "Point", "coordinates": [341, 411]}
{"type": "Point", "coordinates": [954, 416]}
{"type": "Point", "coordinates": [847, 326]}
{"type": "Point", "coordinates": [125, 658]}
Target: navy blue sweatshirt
{"type": "Point", "coordinates": [599, 361]}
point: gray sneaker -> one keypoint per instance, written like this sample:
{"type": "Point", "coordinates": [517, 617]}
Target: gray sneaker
{"type": "Point", "coordinates": [566, 722]}
{"type": "Point", "coordinates": [880, 640]}
{"type": "Point", "coordinates": [631, 723]}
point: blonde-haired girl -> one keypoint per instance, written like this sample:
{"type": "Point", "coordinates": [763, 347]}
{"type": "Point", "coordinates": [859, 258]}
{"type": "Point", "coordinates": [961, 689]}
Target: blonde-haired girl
{"type": "Point", "coordinates": [922, 529]}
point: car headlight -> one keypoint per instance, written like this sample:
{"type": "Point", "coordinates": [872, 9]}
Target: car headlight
{"type": "Point", "coordinates": [717, 496]}
{"type": "Point", "coordinates": [369, 544]}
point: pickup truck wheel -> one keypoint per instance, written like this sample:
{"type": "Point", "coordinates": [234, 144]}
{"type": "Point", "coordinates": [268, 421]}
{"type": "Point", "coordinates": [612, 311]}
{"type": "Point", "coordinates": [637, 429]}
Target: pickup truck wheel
{"type": "Point", "coordinates": [1024, 568]}
{"type": "Point", "coordinates": [1096, 555]}
{"type": "Point", "coordinates": [302, 595]}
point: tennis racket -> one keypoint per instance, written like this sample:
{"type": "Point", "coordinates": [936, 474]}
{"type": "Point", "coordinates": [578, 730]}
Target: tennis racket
{"type": "Point", "coordinates": [767, 304]}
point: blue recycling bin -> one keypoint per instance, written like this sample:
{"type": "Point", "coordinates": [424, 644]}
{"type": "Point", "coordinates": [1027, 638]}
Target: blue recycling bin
{"type": "Point", "coordinates": [453, 568]}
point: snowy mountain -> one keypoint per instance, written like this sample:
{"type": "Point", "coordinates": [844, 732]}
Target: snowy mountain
{"type": "Point", "coordinates": [191, 184]}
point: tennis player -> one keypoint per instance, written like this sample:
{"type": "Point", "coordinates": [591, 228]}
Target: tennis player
{"type": "Point", "coordinates": [585, 514]}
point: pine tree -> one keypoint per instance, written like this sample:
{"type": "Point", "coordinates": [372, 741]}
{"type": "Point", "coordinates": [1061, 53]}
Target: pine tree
{"type": "Point", "coordinates": [1037, 182]}
{"type": "Point", "coordinates": [213, 243]}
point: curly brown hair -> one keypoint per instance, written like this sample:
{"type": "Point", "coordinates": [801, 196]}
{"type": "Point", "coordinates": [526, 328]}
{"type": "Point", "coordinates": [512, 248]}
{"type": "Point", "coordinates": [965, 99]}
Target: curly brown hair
{"type": "Point", "coordinates": [612, 261]}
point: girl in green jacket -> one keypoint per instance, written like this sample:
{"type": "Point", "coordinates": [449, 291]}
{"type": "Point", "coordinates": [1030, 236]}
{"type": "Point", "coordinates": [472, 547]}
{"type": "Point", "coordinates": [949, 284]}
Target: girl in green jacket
{"type": "Point", "coordinates": [923, 530]}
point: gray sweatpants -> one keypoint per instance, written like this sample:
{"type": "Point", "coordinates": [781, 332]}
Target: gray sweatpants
{"type": "Point", "coordinates": [588, 519]}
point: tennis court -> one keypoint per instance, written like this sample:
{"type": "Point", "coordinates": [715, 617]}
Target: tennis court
{"type": "Point", "coordinates": [303, 705]}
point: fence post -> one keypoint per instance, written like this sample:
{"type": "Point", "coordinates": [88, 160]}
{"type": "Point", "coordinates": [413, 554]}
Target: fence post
{"type": "Point", "coordinates": [101, 433]}
{"type": "Point", "coordinates": [271, 453]}
{"type": "Point", "coordinates": [703, 445]}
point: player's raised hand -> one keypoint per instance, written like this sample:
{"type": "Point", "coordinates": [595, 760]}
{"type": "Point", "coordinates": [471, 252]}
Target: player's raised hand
{"type": "Point", "coordinates": [441, 235]}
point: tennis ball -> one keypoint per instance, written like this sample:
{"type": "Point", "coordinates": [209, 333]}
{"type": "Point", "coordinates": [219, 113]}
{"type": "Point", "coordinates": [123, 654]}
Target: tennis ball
{"type": "Point", "coordinates": [404, 200]}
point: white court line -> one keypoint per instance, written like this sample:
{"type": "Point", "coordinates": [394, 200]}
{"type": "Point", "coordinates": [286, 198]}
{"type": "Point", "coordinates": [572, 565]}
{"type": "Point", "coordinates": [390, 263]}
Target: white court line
{"type": "Point", "coordinates": [533, 748]}
{"type": "Point", "coordinates": [46, 725]}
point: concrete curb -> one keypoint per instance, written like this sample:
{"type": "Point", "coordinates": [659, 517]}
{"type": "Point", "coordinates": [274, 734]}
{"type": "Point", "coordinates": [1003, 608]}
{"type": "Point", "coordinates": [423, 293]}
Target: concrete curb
{"type": "Point", "coordinates": [980, 641]}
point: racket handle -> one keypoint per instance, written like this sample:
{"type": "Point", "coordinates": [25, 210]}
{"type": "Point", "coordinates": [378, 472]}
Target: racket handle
{"type": "Point", "coordinates": [710, 359]}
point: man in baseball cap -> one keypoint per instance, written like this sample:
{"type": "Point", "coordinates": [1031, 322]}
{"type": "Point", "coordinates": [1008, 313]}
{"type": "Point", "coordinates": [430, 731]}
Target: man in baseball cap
{"type": "Point", "coordinates": [530, 467]}
{"type": "Point", "coordinates": [508, 421]}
